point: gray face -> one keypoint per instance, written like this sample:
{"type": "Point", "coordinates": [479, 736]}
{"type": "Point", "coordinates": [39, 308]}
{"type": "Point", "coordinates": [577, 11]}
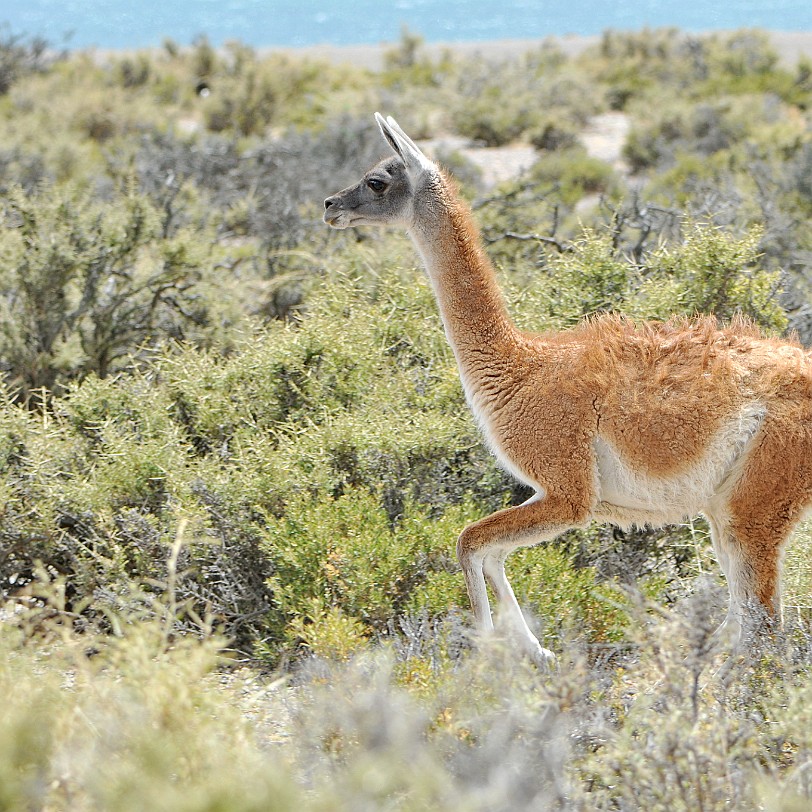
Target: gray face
{"type": "Point", "coordinates": [382, 196]}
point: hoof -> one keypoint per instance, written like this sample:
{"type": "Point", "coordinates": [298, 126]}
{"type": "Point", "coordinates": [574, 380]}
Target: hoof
{"type": "Point", "coordinates": [543, 658]}
{"type": "Point", "coordinates": [728, 636]}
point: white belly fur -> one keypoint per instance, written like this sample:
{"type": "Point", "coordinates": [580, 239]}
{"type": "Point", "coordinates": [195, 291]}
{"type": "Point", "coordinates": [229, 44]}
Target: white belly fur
{"type": "Point", "coordinates": [629, 497]}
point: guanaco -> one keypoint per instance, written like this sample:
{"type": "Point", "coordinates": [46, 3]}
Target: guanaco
{"type": "Point", "coordinates": [612, 421]}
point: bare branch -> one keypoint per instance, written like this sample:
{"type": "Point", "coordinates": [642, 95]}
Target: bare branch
{"type": "Point", "coordinates": [561, 247]}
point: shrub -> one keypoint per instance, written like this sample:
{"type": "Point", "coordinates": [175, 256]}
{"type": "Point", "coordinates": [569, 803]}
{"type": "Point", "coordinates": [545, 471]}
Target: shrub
{"type": "Point", "coordinates": [485, 118]}
{"type": "Point", "coordinates": [575, 174]}
{"type": "Point", "coordinates": [554, 135]}
{"type": "Point", "coordinates": [419, 723]}
{"type": "Point", "coordinates": [541, 91]}
{"type": "Point", "coordinates": [248, 95]}
{"type": "Point", "coordinates": [20, 56]}
{"type": "Point", "coordinates": [276, 183]}
{"type": "Point", "coordinates": [144, 722]}
{"type": "Point", "coordinates": [713, 272]}
{"type": "Point", "coordinates": [216, 451]}
{"type": "Point", "coordinates": [84, 284]}
{"type": "Point", "coordinates": [299, 485]}
{"type": "Point", "coordinates": [699, 130]}
{"type": "Point", "coordinates": [334, 558]}
{"type": "Point", "coordinates": [589, 279]}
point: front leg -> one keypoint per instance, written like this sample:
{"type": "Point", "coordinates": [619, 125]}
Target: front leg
{"type": "Point", "coordinates": [510, 612]}
{"type": "Point", "coordinates": [483, 547]}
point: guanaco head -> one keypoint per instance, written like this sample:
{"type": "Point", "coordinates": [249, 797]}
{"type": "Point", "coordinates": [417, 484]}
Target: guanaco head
{"type": "Point", "coordinates": [386, 194]}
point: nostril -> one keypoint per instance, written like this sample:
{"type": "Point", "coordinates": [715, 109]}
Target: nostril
{"type": "Point", "coordinates": [328, 202]}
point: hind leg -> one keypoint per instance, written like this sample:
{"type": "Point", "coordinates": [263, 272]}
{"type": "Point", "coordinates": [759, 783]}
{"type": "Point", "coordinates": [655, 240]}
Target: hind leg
{"type": "Point", "coordinates": [752, 529]}
{"type": "Point", "coordinates": [751, 562]}
{"type": "Point", "coordinates": [720, 543]}
{"type": "Point", "coordinates": [724, 547]}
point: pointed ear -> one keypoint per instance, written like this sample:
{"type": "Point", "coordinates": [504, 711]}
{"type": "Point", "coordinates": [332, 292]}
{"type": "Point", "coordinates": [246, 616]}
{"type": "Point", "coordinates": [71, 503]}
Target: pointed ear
{"type": "Point", "coordinates": [402, 145]}
{"type": "Point", "coordinates": [387, 133]}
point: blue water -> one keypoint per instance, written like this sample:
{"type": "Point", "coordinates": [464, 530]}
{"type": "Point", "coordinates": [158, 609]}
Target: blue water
{"type": "Point", "coordinates": [145, 23]}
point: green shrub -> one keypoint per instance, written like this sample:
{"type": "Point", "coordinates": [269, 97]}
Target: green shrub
{"type": "Point", "coordinates": [114, 722]}
{"type": "Point", "coordinates": [589, 279]}
{"type": "Point", "coordinates": [714, 272]}
{"type": "Point", "coordinates": [797, 595]}
{"type": "Point", "coordinates": [554, 135]}
{"type": "Point", "coordinates": [304, 470]}
{"type": "Point", "coordinates": [344, 554]}
{"type": "Point", "coordinates": [541, 90]}
{"type": "Point", "coordinates": [568, 600]}
{"type": "Point", "coordinates": [83, 285]}
{"type": "Point", "coordinates": [27, 738]}
{"type": "Point", "coordinates": [709, 270]}
{"type": "Point", "coordinates": [143, 723]}
{"type": "Point", "coordinates": [575, 174]}
{"type": "Point", "coordinates": [484, 118]}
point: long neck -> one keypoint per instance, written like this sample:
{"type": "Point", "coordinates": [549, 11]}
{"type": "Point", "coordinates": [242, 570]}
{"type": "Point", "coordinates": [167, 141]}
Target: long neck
{"type": "Point", "coordinates": [463, 278]}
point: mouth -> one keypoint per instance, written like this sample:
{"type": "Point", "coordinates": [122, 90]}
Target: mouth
{"type": "Point", "coordinates": [336, 219]}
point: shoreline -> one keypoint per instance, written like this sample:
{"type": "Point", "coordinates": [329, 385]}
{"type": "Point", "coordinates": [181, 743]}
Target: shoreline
{"type": "Point", "coordinates": [791, 46]}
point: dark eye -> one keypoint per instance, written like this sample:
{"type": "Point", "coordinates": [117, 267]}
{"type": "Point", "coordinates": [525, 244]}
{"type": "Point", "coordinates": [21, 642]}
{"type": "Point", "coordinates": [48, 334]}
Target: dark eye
{"type": "Point", "coordinates": [376, 185]}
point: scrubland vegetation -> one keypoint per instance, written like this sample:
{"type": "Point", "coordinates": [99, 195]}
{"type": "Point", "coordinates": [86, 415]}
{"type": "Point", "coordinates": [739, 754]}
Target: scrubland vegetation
{"type": "Point", "coordinates": [236, 454]}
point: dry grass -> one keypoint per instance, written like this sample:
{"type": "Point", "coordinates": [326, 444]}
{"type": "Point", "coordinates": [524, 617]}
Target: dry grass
{"type": "Point", "coordinates": [146, 720]}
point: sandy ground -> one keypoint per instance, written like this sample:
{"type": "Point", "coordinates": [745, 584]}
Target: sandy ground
{"type": "Point", "coordinates": [791, 45]}
{"type": "Point", "coordinates": [603, 137]}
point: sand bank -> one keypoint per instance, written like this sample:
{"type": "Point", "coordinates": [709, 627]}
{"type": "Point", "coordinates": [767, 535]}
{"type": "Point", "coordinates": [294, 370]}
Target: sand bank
{"type": "Point", "coordinates": [791, 46]}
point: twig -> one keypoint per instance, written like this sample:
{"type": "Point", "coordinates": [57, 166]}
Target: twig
{"type": "Point", "coordinates": [562, 247]}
